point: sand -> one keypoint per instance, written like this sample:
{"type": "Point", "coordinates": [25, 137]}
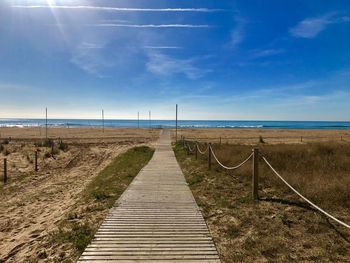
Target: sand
{"type": "Point", "coordinates": [32, 204]}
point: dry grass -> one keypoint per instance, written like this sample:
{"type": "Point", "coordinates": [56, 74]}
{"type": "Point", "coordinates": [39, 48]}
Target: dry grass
{"type": "Point", "coordinates": [34, 204]}
{"type": "Point", "coordinates": [249, 136]}
{"type": "Point", "coordinates": [280, 227]}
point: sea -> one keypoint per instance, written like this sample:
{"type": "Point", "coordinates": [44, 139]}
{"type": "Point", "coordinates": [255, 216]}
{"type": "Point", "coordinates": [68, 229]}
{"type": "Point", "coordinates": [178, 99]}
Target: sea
{"type": "Point", "coordinates": [323, 125]}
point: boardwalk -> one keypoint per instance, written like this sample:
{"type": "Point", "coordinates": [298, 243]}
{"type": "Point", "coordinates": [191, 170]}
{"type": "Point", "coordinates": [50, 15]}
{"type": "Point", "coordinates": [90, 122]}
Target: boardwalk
{"type": "Point", "coordinates": [155, 220]}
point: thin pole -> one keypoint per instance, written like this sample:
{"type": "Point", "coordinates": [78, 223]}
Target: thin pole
{"type": "Point", "coordinates": [103, 121]}
{"type": "Point", "coordinates": [149, 115]}
{"type": "Point", "coordinates": [209, 156]}
{"type": "Point", "coordinates": [138, 119]}
{"type": "Point", "coordinates": [46, 123]}
{"type": "Point", "coordinates": [176, 126]}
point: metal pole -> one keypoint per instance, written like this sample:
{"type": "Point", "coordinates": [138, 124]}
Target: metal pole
{"type": "Point", "coordinates": [255, 176]}
{"type": "Point", "coordinates": [176, 126]}
{"type": "Point", "coordinates": [103, 121]}
{"type": "Point", "coordinates": [138, 119]}
{"type": "Point", "coordinates": [46, 123]}
{"type": "Point", "coordinates": [149, 116]}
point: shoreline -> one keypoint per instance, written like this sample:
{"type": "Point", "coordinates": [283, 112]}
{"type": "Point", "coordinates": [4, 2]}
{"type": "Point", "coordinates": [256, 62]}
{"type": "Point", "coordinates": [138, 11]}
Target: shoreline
{"type": "Point", "coordinates": [215, 135]}
{"type": "Point", "coordinates": [169, 124]}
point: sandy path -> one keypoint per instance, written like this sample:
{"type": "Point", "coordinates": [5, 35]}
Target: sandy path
{"type": "Point", "coordinates": [31, 207]}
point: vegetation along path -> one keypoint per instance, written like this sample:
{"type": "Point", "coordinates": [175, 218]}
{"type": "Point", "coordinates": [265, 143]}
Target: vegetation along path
{"type": "Point", "coordinates": [156, 218]}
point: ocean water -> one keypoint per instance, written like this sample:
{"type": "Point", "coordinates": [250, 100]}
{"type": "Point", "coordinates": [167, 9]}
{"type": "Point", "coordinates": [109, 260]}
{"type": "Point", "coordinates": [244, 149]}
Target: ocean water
{"type": "Point", "coordinates": [328, 125]}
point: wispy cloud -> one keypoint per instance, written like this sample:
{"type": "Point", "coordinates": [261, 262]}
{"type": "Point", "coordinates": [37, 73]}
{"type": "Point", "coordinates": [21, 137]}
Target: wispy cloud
{"type": "Point", "coordinates": [260, 53]}
{"type": "Point", "coordinates": [345, 19]}
{"type": "Point", "coordinates": [238, 33]}
{"type": "Point", "coordinates": [87, 45]}
{"type": "Point", "coordinates": [118, 9]}
{"type": "Point", "coordinates": [162, 47]}
{"type": "Point", "coordinates": [152, 25]}
{"type": "Point", "coordinates": [88, 57]}
{"type": "Point", "coordinates": [163, 65]}
{"type": "Point", "coordinates": [311, 27]}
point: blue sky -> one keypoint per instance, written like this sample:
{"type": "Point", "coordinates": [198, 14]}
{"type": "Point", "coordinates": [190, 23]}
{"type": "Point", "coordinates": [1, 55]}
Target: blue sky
{"type": "Point", "coordinates": [264, 60]}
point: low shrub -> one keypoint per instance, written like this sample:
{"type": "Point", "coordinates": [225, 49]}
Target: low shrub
{"type": "Point", "coordinates": [62, 146]}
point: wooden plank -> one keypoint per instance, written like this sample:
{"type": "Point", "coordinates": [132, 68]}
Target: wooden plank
{"type": "Point", "coordinates": [155, 220]}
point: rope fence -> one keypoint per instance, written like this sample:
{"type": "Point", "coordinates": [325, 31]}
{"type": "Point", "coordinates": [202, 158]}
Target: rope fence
{"type": "Point", "coordinates": [303, 197]}
{"type": "Point", "coordinates": [226, 167]}
{"type": "Point", "coordinates": [255, 156]}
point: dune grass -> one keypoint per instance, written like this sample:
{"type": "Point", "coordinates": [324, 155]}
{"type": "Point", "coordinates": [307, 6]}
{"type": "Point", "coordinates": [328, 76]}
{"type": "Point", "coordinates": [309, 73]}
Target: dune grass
{"type": "Point", "coordinates": [279, 227]}
{"type": "Point", "coordinates": [80, 225]}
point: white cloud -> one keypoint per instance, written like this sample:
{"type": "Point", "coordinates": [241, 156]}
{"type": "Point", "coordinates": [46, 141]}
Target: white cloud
{"type": "Point", "coordinates": [265, 53]}
{"type": "Point", "coordinates": [162, 47]}
{"type": "Point", "coordinates": [118, 9]}
{"type": "Point", "coordinates": [164, 65]}
{"type": "Point", "coordinates": [345, 19]}
{"type": "Point", "coordinates": [152, 25]}
{"type": "Point", "coordinates": [238, 33]}
{"type": "Point", "coordinates": [88, 57]}
{"type": "Point", "coordinates": [311, 27]}
{"type": "Point", "coordinates": [87, 45]}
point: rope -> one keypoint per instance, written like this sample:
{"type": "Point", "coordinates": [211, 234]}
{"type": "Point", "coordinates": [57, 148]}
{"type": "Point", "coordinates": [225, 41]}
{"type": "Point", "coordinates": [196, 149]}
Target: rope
{"type": "Point", "coordinates": [230, 168]}
{"type": "Point", "coordinates": [188, 146]}
{"type": "Point", "coordinates": [199, 150]}
{"type": "Point", "coordinates": [304, 198]}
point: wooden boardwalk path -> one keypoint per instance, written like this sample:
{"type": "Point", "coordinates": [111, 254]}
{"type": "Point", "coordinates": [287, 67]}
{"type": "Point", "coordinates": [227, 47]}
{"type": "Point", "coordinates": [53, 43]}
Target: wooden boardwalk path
{"type": "Point", "coordinates": [155, 220]}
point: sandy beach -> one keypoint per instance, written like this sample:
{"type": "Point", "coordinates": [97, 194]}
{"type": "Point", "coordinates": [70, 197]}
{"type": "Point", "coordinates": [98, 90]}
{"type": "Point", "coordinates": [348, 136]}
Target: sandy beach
{"type": "Point", "coordinates": [32, 204]}
{"type": "Point", "coordinates": [251, 136]}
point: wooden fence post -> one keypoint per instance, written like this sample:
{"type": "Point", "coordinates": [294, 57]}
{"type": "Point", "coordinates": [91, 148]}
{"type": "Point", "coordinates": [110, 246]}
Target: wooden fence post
{"type": "Point", "coordinates": [220, 140]}
{"type": "Point", "coordinates": [301, 138]}
{"type": "Point", "coordinates": [5, 170]}
{"type": "Point", "coordinates": [255, 176]}
{"type": "Point", "coordinates": [209, 156]}
{"type": "Point", "coordinates": [36, 161]}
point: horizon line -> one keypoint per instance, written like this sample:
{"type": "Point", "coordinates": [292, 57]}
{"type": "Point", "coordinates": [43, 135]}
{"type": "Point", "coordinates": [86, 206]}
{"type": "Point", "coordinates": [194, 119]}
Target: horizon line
{"type": "Point", "coordinates": [146, 119]}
